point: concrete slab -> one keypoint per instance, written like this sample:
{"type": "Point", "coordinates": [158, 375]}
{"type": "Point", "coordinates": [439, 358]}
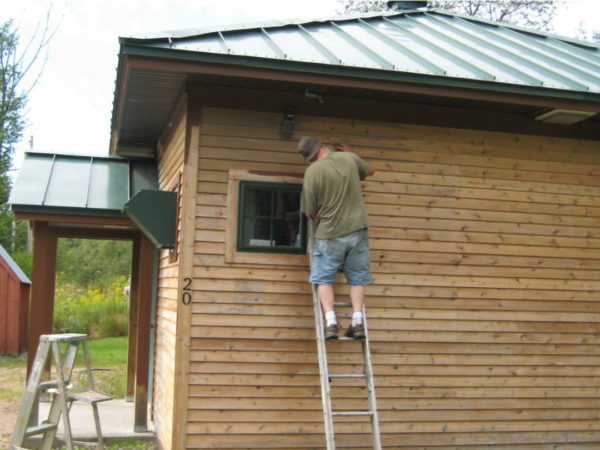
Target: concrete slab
{"type": "Point", "coordinates": [116, 420]}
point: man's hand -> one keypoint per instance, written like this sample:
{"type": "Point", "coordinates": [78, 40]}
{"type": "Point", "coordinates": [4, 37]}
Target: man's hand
{"type": "Point", "coordinates": [342, 148]}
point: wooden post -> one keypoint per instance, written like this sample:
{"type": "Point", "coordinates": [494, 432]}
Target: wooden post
{"type": "Point", "coordinates": [186, 270]}
{"type": "Point", "coordinates": [133, 311]}
{"type": "Point", "coordinates": [144, 304]}
{"type": "Point", "coordinates": [41, 308]}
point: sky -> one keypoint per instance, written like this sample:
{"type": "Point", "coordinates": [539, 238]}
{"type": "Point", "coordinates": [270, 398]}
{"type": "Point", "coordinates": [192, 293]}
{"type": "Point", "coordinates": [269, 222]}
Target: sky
{"type": "Point", "coordinates": [69, 109]}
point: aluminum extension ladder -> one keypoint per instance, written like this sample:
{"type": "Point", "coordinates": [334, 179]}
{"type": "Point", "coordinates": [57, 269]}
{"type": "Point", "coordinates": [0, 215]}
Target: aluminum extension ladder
{"type": "Point", "coordinates": [62, 391]}
{"type": "Point", "coordinates": [326, 377]}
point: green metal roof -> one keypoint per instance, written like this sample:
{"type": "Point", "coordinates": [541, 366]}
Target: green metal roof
{"type": "Point", "coordinates": [425, 45]}
{"type": "Point", "coordinates": [76, 184]}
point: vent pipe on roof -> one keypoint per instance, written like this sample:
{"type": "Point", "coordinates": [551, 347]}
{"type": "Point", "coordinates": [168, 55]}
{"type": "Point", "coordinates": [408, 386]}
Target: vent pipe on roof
{"type": "Point", "coordinates": [406, 5]}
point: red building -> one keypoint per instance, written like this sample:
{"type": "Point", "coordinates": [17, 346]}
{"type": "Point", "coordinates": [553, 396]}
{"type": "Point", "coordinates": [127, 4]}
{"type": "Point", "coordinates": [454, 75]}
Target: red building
{"type": "Point", "coordinates": [14, 301]}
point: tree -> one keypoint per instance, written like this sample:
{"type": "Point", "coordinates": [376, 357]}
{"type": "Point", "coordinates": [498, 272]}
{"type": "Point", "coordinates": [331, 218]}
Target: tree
{"type": "Point", "coordinates": [20, 69]}
{"type": "Point", "coordinates": [528, 13]}
{"type": "Point", "coordinates": [91, 262]}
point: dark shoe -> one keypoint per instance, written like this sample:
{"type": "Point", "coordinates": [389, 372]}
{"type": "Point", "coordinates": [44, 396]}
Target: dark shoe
{"type": "Point", "coordinates": [355, 331]}
{"type": "Point", "coordinates": [331, 331]}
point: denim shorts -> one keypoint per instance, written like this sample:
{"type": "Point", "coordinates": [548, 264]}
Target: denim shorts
{"type": "Point", "coordinates": [350, 252]}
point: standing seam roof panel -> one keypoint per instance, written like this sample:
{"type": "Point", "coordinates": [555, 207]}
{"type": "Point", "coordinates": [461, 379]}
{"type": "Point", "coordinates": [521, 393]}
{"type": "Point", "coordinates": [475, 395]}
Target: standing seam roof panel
{"type": "Point", "coordinates": [527, 65]}
{"type": "Point", "coordinates": [447, 46]}
{"type": "Point", "coordinates": [431, 67]}
{"type": "Point", "coordinates": [451, 58]}
{"type": "Point", "coordinates": [505, 72]}
{"type": "Point", "coordinates": [548, 53]}
{"type": "Point", "coordinates": [333, 59]}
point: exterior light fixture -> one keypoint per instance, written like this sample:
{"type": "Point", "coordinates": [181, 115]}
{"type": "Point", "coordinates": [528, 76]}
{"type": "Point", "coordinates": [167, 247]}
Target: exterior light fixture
{"type": "Point", "coordinates": [288, 124]}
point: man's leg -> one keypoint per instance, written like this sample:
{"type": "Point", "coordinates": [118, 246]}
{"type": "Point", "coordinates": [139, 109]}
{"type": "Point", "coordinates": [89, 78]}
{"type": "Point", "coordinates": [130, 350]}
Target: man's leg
{"type": "Point", "coordinates": [327, 302]}
{"type": "Point", "coordinates": [357, 295]}
{"type": "Point", "coordinates": [326, 296]}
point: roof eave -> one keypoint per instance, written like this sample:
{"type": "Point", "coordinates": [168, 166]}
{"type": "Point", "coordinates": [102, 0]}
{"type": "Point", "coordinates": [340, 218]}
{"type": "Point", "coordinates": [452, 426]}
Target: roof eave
{"type": "Point", "coordinates": [287, 66]}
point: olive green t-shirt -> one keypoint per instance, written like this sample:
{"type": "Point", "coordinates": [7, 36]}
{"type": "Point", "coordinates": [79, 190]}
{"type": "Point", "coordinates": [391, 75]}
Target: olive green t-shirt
{"type": "Point", "coordinates": [332, 191]}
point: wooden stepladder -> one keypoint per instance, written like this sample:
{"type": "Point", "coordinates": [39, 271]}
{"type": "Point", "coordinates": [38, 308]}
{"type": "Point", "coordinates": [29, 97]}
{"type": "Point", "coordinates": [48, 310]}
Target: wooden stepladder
{"type": "Point", "coordinates": [60, 388]}
{"type": "Point", "coordinates": [327, 378]}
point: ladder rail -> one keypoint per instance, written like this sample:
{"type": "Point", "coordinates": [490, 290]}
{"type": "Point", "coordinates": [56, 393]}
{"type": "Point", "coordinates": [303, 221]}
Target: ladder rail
{"type": "Point", "coordinates": [59, 402]}
{"type": "Point", "coordinates": [321, 350]}
{"type": "Point", "coordinates": [366, 346]}
{"type": "Point", "coordinates": [324, 371]}
{"type": "Point", "coordinates": [30, 395]}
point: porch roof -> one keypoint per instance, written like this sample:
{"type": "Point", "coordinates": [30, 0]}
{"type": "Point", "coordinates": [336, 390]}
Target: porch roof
{"type": "Point", "coordinates": [79, 184]}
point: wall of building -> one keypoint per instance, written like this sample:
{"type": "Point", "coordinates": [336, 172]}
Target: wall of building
{"type": "Point", "coordinates": [483, 316]}
{"type": "Point", "coordinates": [170, 163]}
{"type": "Point", "coordinates": [14, 302]}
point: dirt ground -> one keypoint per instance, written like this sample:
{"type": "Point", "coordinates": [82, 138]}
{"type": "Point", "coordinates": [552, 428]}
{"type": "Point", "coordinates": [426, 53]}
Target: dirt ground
{"type": "Point", "coordinates": [12, 386]}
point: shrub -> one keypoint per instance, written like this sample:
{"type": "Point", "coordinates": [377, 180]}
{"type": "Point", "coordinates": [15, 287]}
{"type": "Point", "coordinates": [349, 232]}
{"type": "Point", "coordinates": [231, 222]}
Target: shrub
{"type": "Point", "coordinates": [95, 312]}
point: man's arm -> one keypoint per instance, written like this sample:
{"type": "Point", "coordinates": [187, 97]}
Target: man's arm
{"type": "Point", "coordinates": [347, 148]}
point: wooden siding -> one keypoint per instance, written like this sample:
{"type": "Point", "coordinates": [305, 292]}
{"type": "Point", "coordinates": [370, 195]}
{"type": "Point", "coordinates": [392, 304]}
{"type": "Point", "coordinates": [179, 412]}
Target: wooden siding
{"type": "Point", "coordinates": [483, 316]}
{"type": "Point", "coordinates": [14, 302]}
{"type": "Point", "coordinates": [170, 167]}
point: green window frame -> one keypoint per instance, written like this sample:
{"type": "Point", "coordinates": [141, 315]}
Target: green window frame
{"type": "Point", "coordinates": [269, 218]}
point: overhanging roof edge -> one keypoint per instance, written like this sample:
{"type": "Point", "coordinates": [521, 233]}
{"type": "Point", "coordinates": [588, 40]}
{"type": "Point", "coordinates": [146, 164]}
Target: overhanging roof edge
{"type": "Point", "coordinates": [356, 72]}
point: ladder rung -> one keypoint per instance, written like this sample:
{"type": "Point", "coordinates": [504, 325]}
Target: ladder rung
{"type": "Point", "coordinates": [88, 396]}
{"type": "Point", "coordinates": [352, 413]}
{"type": "Point", "coordinates": [345, 339]}
{"type": "Point", "coordinates": [48, 385]}
{"type": "Point", "coordinates": [342, 303]}
{"type": "Point", "coordinates": [347, 375]}
{"type": "Point", "coordinates": [43, 428]}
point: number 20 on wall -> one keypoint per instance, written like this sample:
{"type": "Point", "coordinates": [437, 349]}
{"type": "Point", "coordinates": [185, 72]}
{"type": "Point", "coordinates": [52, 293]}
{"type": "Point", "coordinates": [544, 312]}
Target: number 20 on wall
{"type": "Point", "coordinates": [186, 296]}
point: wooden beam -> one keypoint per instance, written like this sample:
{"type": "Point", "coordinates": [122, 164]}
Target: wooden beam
{"type": "Point", "coordinates": [133, 311]}
{"type": "Point", "coordinates": [144, 306]}
{"type": "Point", "coordinates": [95, 233]}
{"type": "Point", "coordinates": [74, 219]}
{"type": "Point", "coordinates": [41, 308]}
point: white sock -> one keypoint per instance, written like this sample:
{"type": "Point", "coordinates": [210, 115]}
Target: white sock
{"type": "Point", "coordinates": [330, 317]}
{"type": "Point", "coordinates": [357, 318]}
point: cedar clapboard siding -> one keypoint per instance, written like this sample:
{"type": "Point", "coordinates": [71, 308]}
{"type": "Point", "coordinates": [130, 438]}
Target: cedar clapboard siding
{"type": "Point", "coordinates": [170, 166]}
{"type": "Point", "coordinates": [483, 316]}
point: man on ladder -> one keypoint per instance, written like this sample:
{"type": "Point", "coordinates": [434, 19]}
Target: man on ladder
{"type": "Point", "coordinates": [332, 197]}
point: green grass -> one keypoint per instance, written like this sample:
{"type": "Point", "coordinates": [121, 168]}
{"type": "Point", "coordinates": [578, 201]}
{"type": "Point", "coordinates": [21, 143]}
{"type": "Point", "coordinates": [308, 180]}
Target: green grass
{"type": "Point", "coordinates": [106, 352]}
{"type": "Point", "coordinates": [9, 361]}
{"type": "Point", "coordinates": [109, 365]}
{"type": "Point", "coordinates": [126, 444]}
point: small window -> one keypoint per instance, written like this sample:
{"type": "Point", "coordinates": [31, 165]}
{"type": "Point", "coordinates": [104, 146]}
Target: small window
{"type": "Point", "coordinates": [270, 220]}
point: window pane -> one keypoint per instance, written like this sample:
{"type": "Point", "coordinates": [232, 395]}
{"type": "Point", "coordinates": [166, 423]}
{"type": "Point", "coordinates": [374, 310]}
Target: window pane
{"type": "Point", "coordinates": [287, 204]}
{"type": "Point", "coordinates": [257, 232]}
{"type": "Point", "coordinates": [270, 219]}
{"type": "Point", "coordinates": [287, 233]}
{"type": "Point", "coordinates": [258, 202]}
